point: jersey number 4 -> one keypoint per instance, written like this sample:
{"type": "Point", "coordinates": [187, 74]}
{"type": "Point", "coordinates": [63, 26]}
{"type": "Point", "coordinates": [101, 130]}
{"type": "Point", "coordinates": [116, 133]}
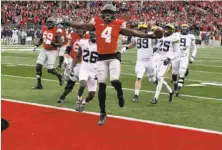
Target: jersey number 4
{"type": "Point", "coordinates": [106, 34]}
{"type": "Point", "coordinates": [89, 57]}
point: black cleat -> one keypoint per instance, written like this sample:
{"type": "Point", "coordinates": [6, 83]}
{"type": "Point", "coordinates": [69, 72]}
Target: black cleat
{"type": "Point", "coordinates": [102, 119]}
{"type": "Point", "coordinates": [135, 98]}
{"type": "Point", "coordinates": [171, 96]}
{"type": "Point", "coordinates": [153, 101]}
{"type": "Point", "coordinates": [61, 99]}
{"type": "Point", "coordinates": [38, 86]}
{"type": "Point", "coordinates": [79, 106]}
{"type": "Point", "coordinates": [61, 81]}
{"type": "Point", "coordinates": [121, 101]}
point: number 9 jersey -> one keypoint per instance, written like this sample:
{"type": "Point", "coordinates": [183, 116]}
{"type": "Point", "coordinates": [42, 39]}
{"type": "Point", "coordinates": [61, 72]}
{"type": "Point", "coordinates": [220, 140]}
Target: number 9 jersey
{"type": "Point", "coordinates": [107, 35]}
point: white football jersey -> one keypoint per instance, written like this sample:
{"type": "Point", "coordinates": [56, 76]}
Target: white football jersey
{"type": "Point", "coordinates": [169, 47]}
{"type": "Point", "coordinates": [186, 43]}
{"type": "Point", "coordinates": [144, 47]}
{"type": "Point", "coordinates": [89, 53]}
{"type": "Point", "coordinates": [15, 32]}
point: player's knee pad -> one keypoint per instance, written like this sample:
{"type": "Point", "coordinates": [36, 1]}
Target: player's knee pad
{"type": "Point", "coordinates": [83, 83]}
{"type": "Point", "coordinates": [91, 94]}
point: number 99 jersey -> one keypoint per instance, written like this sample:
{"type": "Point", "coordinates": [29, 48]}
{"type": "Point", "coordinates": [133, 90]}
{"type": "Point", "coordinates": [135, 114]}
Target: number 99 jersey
{"type": "Point", "coordinates": [89, 54]}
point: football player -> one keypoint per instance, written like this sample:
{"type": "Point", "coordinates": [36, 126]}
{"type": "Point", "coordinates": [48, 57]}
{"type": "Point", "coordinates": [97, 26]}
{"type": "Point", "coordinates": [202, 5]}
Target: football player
{"type": "Point", "coordinates": [187, 42]}
{"type": "Point", "coordinates": [108, 29]}
{"type": "Point", "coordinates": [145, 62]}
{"type": "Point", "coordinates": [87, 52]}
{"type": "Point", "coordinates": [71, 74]}
{"type": "Point", "coordinates": [51, 39]}
{"type": "Point", "coordinates": [168, 48]}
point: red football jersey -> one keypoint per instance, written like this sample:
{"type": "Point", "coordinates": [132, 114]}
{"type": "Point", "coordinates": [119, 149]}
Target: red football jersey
{"type": "Point", "coordinates": [49, 36]}
{"type": "Point", "coordinates": [76, 37]}
{"type": "Point", "coordinates": [64, 37]}
{"type": "Point", "coordinates": [107, 35]}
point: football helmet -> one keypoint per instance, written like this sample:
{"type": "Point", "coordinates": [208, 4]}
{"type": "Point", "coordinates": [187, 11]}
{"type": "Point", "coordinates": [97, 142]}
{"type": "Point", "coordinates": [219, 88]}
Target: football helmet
{"type": "Point", "coordinates": [184, 29]}
{"type": "Point", "coordinates": [108, 13]}
{"type": "Point", "coordinates": [51, 22]}
{"type": "Point", "coordinates": [142, 27]}
{"type": "Point", "coordinates": [168, 29]}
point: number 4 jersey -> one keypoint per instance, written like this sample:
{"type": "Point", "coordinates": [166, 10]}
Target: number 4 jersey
{"type": "Point", "coordinates": [89, 54]}
{"type": "Point", "coordinates": [107, 35]}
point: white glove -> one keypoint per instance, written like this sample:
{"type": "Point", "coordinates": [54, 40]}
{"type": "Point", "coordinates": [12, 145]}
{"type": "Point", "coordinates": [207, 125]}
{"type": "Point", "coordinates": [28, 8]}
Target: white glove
{"type": "Point", "coordinates": [191, 60]}
{"type": "Point", "coordinates": [33, 49]}
{"type": "Point", "coordinates": [123, 50]}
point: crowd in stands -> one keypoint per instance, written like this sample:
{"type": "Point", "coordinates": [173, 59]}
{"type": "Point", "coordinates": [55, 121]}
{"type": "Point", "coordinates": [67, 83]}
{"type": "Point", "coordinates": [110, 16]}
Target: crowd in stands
{"type": "Point", "coordinates": [201, 15]}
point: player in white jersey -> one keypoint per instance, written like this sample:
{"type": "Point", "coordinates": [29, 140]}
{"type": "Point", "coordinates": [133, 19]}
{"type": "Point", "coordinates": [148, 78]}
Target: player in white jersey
{"type": "Point", "coordinates": [145, 62]}
{"type": "Point", "coordinates": [168, 48]}
{"type": "Point", "coordinates": [15, 34]}
{"type": "Point", "coordinates": [187, 42]}
{"type": "Point", "coordinates": [87, 51]}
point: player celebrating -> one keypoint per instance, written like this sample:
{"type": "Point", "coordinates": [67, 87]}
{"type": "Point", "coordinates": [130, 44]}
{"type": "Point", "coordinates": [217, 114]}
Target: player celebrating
{"type": "Point", "coordinates": [71, 74]}
{"type": "Point", "coordinates": [87, 51]}
{"type": "Point", "coordinates": [168, 49]}
{"type": "Point", "coordinates": [107, 30]}
{"type": "Point", "coordinates": [145, 62]}
{"type": "Point", "coordinates": [187, 41]}
{"type": "Point", "coordinates": [51, 40]}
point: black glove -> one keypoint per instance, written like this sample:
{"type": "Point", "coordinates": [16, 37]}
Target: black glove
{"type": "Point", "coordinates": [166, 61]}
{"type": "Point", "coordinates": [118, 56]}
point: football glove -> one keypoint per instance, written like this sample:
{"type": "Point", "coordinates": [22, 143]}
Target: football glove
{"type": "Point", "coordinates": [33, 49]}
{"type": "Point", "coordinates": [166, 61]}
{"type": "Point", "coordinates": [191, 59]}
{"type": "Point", "coordinates": [123, 50]}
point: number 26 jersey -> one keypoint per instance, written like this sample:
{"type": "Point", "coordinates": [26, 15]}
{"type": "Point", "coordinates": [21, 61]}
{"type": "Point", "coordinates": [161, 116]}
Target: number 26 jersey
{"type": "Point", "coordinates": [89, 53]}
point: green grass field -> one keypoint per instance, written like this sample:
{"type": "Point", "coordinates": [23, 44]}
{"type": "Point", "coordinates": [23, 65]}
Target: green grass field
{"type": "Point", "coordinates": [199, 106]}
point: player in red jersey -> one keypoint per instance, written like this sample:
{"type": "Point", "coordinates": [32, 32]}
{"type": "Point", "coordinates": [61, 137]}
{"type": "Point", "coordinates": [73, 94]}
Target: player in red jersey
{"type": "Point", "coordinates": [107, 30]}
{"type": "Point", "coordinates": [71, 75]}
{"type": "Point", "coordinates": [51, 39]}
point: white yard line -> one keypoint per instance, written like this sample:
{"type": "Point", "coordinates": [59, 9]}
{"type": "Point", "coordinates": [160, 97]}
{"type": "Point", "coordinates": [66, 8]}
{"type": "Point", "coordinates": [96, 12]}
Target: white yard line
{"type": "Point", "coordinates": [118, 117]}
{"type": "Point", "coordinates": [127, 89]}
{"type": "Point", "coordinates": [128, 74]}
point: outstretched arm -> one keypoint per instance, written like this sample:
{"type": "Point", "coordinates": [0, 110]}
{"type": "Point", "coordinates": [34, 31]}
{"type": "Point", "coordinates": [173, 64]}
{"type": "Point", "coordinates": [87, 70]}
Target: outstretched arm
{"type": "Point", "coordinates": [131, 32]}
{"type": "Point", "coordinates": [80, 25]}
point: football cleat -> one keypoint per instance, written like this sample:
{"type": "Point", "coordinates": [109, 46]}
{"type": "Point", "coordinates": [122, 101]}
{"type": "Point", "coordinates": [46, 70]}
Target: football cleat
{"type": "Point", "coordinates": [102, 119]}
{"type": "Point", "coordinates": [187, 73]}
{"type": "Point", "coordinates": [38, 86]}
{"type": "Point", "coordinates": [61, 99]}
{"type": "Point", "coordinates": [153, 101]}
{"type": "Point", "coordinates": [121, 100]}
{"type": "Point", "coordinates": [171, 96]}
{"type": "Point", "coordinates": [135, 98]}
{"type": "Point", "coordinates": [79, 106]}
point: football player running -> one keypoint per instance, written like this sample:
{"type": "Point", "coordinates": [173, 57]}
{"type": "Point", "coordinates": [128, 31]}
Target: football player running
{"type": "Point", "coordinates": [71, 74]}
{"type": "Point", "coordinates": [51, 39]}
{"type": "Point", "coordinates": [145, 62]}
{"type": "Point", "coordinates": [87, 51]}
{"type": "Point", "coordinates": [187, 42]}
{"type": "Point", "coordinates": [168, 48]}
{"type": "Point", "coordinates": [108, 30]}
